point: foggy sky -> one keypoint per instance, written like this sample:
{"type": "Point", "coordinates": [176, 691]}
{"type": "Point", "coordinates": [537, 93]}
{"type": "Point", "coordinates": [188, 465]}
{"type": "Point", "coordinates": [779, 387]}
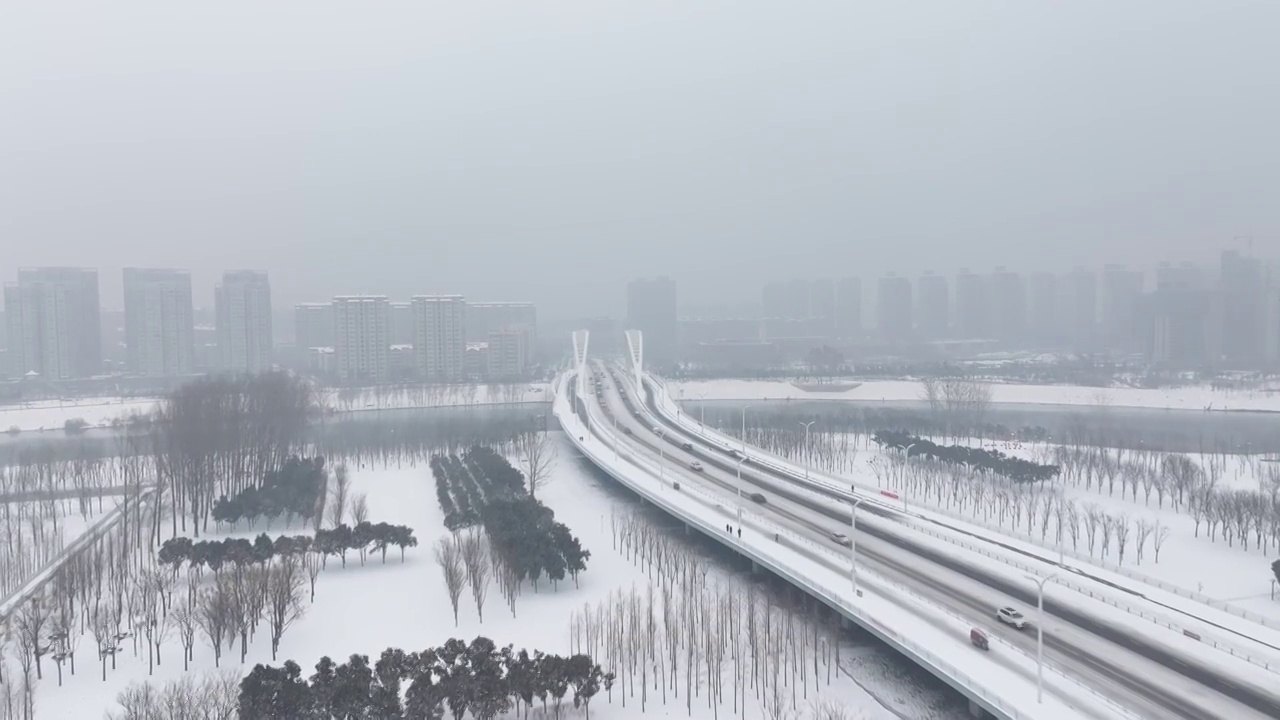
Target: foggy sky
{"type": "Point", "coordinates": [552, 150]}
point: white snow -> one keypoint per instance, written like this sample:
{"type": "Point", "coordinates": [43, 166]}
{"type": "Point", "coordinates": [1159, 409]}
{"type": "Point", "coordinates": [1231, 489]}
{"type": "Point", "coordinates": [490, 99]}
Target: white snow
{"type": "Point", "coordinates": [1180, 398]}
{"type": "Point", "coordinates": [367, 609]}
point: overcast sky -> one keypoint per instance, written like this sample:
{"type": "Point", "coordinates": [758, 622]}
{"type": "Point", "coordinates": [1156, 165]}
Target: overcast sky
{"type": "Point", "coordinates": [552, 150]}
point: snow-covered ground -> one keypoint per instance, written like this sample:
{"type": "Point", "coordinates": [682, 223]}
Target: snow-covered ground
{"type": "Point", "coordinates": [1182, 398]}
{"type": "Point", "coordinates": [100, 412]}
{"type": "Point", "coordinates": [52, 414]}
{"type": "Point", "coordinates": [366, 609]}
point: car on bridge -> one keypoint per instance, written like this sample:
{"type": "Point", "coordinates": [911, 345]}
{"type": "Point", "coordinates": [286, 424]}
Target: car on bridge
{"type": "Point", "coordinates": [626, 431]}
{"type": "Point", "coordinates": [686, 446]}
{"type": "Point", "coordinates": [1010, 616]}
{"type": "Point", "coordinates": [695, 466]}
{"type": "Point", "coordinates": [758, 498]}
{"type": "Point", "coordinates": [841, 539]}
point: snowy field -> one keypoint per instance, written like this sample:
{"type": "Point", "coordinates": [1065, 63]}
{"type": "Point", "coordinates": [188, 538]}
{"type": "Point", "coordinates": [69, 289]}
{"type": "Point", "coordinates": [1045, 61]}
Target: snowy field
{"type": "Point", "coordinates": [1184, 398]}
{"type": "Point", "coordinates": [367, 609]}
{"type": "Point", "coordinates": [52, 414]}
{"type": "Point", "coordinates": [100, 412]}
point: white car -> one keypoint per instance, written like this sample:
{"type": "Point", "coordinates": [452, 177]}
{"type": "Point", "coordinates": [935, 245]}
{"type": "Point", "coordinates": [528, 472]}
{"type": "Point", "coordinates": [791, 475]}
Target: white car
{"type": "Point", "coordinates": [695, 466]}
{"type": "Point", "coordinates": [1010, 616]}
{"type": "Point", "coordinates": [841, 539]}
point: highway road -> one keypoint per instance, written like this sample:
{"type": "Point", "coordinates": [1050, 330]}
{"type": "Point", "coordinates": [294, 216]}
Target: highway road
{"type": "Point", "coordinates": [1118, 665]}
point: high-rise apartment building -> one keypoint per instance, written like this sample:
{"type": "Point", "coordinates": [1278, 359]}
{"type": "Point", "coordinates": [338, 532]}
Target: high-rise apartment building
{"type": "Point", "coordinates": [1244, 296]}
{"type": "Point", "coordinates": [362, 338]}
{"type": "Point", "coordinates": [54, 323]}
{"type": "Point", "coordinates": [508, 357]}
{"type": "Point", "coordinates": [849, 307]}
{"type": "Point", "coordinates": [313, 326]}
{"type": "Point", "coordinates": [894, 308]}
{"type": "Point", "coordinates": [651, 309]}
{"type": "Point", "coordinates": [1008, 310]}
{"type": "Point", "coordinates": [934, 305]}
{"type": "Point", "coordinates": [440, 336]}
{"type": "Point", "coordinates": [242, 307]}
{"type": "Point", "coordinates": [159, 327]}
{"type": "Point", "coordinates": [973, 321]}
{"type": "Point", "coordinates": [401, 323]}
{"type": "Point", "coordinates": [1121, 293]}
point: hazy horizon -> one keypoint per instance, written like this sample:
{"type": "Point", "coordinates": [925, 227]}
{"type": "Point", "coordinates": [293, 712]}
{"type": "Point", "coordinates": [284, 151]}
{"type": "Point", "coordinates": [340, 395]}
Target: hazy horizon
{"type": "Point", "coordinates": [513, 151]}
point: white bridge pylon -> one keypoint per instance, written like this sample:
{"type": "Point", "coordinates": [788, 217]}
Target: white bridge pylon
{"type": "Point", "coordinates": [580, 341]}
{"type": "Point", "coordinates": [635, 355]}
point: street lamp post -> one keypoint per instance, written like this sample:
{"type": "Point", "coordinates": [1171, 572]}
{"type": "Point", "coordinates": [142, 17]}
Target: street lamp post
{"type": "Point", "coordinates": [1040, 583]}
{"type": "Point", "coordinates": [744, 429]}
{"type": "Point", "coordinates": [806, 446]}
{"type": "Point", "coordinates": [662, 458]}
{"type": "Point", "coordinates": [702, 411]}
{"type": "Point", "coordinates": [853, 539]}
{"type": "Point", "coordinates": [739, 469]}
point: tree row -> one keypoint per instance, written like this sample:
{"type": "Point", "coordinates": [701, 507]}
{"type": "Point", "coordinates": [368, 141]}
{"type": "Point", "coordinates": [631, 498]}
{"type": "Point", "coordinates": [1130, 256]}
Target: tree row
{"type": "Point", "coordinates": [476, 677]}
{"type": "Point", "coordinates": [980, 459]}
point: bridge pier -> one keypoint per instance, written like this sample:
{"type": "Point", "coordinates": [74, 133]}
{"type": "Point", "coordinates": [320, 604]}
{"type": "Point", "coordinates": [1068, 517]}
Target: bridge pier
{"type": "Point", "coordinates": [755, 568]}
{"type": "Point", "coordinates": [976, 710]}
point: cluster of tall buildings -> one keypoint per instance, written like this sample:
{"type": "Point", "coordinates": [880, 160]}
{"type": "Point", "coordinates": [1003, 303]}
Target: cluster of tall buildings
{"type": "Point", "coordinates": [54, 325]}
{"type": "Point", "coordinates": [438, 338]}
{"type": "Point", "coordinates": [1180, 316]}
{"type": "Point", "coordinates": [54, 329]}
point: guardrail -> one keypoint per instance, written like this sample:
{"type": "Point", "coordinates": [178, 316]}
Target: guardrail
{"type": "Point", "coordinates": [781, 465]}
{"type": "Point", "coordinates": [951, 674]}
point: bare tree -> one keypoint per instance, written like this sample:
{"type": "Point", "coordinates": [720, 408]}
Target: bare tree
{"type": "Point", "coordinates": [215, 612]}
{"type": "Point", "coordinates": [33, 618]}
{"type": "Point", "coordinates": [1157, 540]}
{"type": "Point", "coordinates": [284, 598]}
{"type": "Point", "coordinates": [312, 561]}
{"type": "Point", "coordinates": [359, 509]}
{"type": "Point", "coordinates": [185, 622]}
{"type": "Point", "coordinates": [449, 556]}
{"type": "Point", "coordinates": [338, 495]}
{"type": "Point", "coordinates": [475, 556]}
{"type": "Point", "coordinates": [537, 458]}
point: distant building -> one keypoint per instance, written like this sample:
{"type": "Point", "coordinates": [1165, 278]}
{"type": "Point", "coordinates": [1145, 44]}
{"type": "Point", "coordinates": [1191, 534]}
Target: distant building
{"type": "Point", "coordinates": [1244, 294]}
{"type": "Point", "coordinates": [1183, 326]}
{"type": "Point", "coordinates": [849, 307]}
{"type": "Point", "coordinates": [934, 305]}
{"type": "Point", "coordinates": [242, 306]}
{"type": "Point", "coordinates": [361, 333]}
{"type": "Point", "coordinates": [894, 308]}
{"type": "Point", "coordinates": [313, 326]}
{"type": "Point", "coordinates": [509, 356]}
{"type": "Point", "coordinates": [1121, 292]}
{"type": "Point", "coordinates": [440, 336]}
{"type": "Point", "coordinates": [54, 323]}
{"type": "Point", "coordinates": [159, 322]}
{"type": "Point", "coordinates": [487, 317]}
{"type": "Point", "coordinates": [651, 309]}
{"type": "Point", "coordinates": [973, 306]}
{"type": "Point", "coordinates": [401, 323]}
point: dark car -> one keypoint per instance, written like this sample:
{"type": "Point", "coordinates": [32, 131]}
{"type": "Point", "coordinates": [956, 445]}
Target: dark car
{"type": "Point", "coordinates": [626, 431]}
{"type": "Point", "coordinates": [735, 454]}
{"type": "Point", "coordinates": [686, 446]}
{"type": "Point", "coordinates": [758, 498]}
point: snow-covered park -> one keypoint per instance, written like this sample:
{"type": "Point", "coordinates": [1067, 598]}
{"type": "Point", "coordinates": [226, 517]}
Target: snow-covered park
{"type": "Point", "coordinates": [366, 607]}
